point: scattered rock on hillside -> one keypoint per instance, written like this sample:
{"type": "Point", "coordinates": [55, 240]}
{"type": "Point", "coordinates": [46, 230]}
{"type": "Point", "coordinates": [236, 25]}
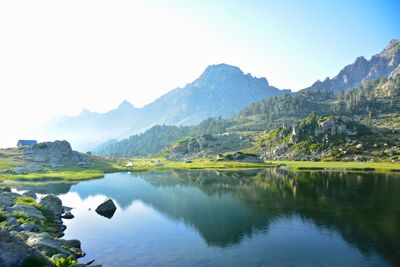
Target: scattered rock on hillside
{"type": "Point", "coordinates": [242, 157]}
{"type": "Point", "coordinates": [208, 145]}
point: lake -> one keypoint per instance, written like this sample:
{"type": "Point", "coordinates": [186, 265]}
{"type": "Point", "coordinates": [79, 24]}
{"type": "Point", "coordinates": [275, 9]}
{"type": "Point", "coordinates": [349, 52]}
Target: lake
{"type": "Point", "coordinates": [270, 217]}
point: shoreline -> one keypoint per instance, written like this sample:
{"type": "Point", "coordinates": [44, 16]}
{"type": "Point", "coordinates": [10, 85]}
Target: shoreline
{"type": "Point", "coordinates": [158, 164]}
{"type": "Point", "coordinates": [31, 231]}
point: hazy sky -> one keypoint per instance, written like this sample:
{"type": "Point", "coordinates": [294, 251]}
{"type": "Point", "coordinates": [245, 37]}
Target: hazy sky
{"type": "Point", "coordinates": [58, 57]}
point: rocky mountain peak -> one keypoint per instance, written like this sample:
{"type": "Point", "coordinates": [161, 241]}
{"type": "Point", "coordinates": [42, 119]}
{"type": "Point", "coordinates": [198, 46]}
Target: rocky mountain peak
{"type": "Point", "coordinates": [392, 49]}
{"type": "Point", "coordinates": [219, 72]}
{"type": "Point", "coordinates": [125, 105]}
{"type": "Point", "coordinates": [85, 112]}
{"type": "Point", "coordinates": [379, 66]}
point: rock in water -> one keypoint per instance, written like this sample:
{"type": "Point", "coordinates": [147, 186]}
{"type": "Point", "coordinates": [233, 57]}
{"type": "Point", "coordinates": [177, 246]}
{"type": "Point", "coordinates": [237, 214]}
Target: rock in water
{"type": "Point", "coordinates": [107, 208]}
{"type": "Point", "coordinates": [67, 215]}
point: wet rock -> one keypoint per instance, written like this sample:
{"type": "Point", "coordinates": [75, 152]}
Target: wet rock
{"type": "Point", "coordinates": [106, 209]}
{"type": "Point", "coordinates": [58, 221]}
{"type": "Point", "coordinates": [53, 204]}
{"type": "Point", "coordinates": [73, 243]}
{"type": "Point", "coordinates": [67, 215]}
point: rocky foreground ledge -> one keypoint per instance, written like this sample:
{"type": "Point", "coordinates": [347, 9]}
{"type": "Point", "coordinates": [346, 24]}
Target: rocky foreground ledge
{"type": "Point", "coordinates": [31, 231]}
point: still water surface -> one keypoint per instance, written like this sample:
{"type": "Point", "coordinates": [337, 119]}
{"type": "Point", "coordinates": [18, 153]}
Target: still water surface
{"type": "Point", "coordinates": [251, 218]}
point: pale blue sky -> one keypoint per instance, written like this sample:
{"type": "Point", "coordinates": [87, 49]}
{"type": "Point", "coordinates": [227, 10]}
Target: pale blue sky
{"type": "Point", "coordinates": [299, 41]}
{"type": "Point", "coordinates": [59, 57]}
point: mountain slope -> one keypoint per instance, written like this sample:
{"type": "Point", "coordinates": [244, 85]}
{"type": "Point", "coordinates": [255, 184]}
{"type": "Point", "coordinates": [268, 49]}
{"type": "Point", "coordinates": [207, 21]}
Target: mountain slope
{"type": "Point", "coordinates": [282, 128]}
{"type": "Point", "coordinates": [221, 91]}
{"type": "Point", "coordinates": [351, 76]}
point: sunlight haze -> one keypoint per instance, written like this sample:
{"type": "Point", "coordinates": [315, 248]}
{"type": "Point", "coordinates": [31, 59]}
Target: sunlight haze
{"type": "Point", "coordinates": [59, 57]}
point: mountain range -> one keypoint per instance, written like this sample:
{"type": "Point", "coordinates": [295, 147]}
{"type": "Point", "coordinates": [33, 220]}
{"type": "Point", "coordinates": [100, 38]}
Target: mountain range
{"type": "Point", "coordinates": [220, 91]}
{"type": "Point", "coordinates": [351, 76]}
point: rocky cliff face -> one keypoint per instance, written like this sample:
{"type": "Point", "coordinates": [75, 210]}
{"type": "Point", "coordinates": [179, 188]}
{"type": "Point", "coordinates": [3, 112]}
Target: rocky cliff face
{"type": "Point", "coordinates": [309, 139]}
{"type": "Point", "coordinates": [351, 76]}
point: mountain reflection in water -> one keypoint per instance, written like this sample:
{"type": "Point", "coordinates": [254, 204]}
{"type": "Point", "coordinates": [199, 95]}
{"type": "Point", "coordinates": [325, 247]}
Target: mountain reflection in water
{"type": "Point", "coordinates": [226, 208]}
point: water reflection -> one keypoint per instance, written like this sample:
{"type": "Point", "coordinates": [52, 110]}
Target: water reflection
{"type": "Point", "coordinates": [228, 209]}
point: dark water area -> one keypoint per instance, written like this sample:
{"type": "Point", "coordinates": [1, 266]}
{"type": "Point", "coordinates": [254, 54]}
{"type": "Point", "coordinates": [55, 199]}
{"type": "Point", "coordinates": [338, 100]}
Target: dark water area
{"type": "Point", "coordinates": [249, 218]}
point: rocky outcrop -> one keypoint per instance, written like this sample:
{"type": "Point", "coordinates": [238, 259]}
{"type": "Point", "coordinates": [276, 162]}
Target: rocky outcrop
{"type": "Point", "coordinates": [47, 244]}
{"type": "Point", "coordinates": [106, 209]}
{"type": "Point", "coordinates": [30, 232]}
{"type": "Point", "coordinates": [335, 125]}
{"type": "Point", "coordinates": [351, 76]}
{"type": "Point", "coordinates": [208, 145]}
{"type": "Point", "coordinates": [309, 139]}
{"type": "Point", "coordinates": [55, 154]}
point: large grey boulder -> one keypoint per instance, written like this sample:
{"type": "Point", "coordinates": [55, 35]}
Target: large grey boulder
{"type": "Point", "coordinates": [53, 204]}
{"type": "Point", "coordinates": [47, 244]}
{"type": "Point", "coordinates": [106, 209]}
{"type": "Point", "coordinates": [13, 250]}
{"type": "Point", "coordinates": [27, 211]}
{"type": "Point", "coordinates": [54, 154]}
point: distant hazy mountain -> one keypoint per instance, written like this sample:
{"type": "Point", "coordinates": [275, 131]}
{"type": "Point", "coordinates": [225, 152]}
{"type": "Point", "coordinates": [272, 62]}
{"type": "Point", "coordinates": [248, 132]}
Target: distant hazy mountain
{"type": "Point", "coordinates": [351, 76]}
{"type": "Point", "coordinates": [221, 91]}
